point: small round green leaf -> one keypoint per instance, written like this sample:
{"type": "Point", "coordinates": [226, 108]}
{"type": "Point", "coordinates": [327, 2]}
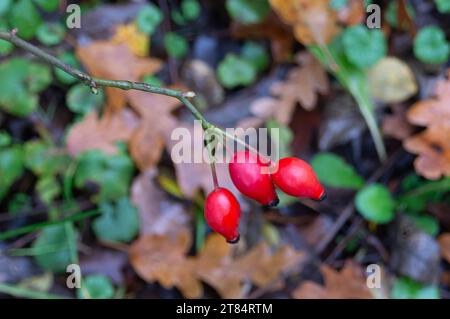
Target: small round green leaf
{"type": "Point", "coordinates": [191, 9]}
{"type": "Point", "coordinates": [176, 46]}
{"type": "Point", "coordinates": [4, 6]}
{"type": "Point", "coordinates": [364, 47]}
{"type": "Point", "coordinates": [234, 71]}
{"type": "Point", "coordinates": [430, 46]}
{"type": "Point", "coordinates": [50, 33]}
{"type": "Point", "coordinates": [256, 54]}
{"type": "Point", "coordinates": [5, 139]}
{"type": "Point", "coordinates": [81, 100]}
{"type": "Point", "coordinates": [406, 288]}
{"type": "Point", "coordinates": [248, 12]}
{"type": "Point", "coordinates": [25, 17]}
{"type": "Point", "coordinates": [51, 249]}
{"type": "Point", "coordinates": [119, 222]}
{"type": "Point", "coordinates": [39, 77]}
{"type": "Point", "coordinates": [149, 18]}
{"type": "Point", "coordinates": [443, 6]}
{"type": "Point", "coordinates": [333, 171]}
{"type": "Point", "coordinates": [96, 287]}
{"type": "Point", "coordinates": [152, 80]}
{"type": "Point", "coordinates": [70, 59]}
{"type": "Point", "coordinates": [426, 223]}
{"type": "Point", "coordinates": [11, 167]}
{"type": "Point", "coordinates": [375, 203]}
{"type": "Point", "coordinates": [5, 46]}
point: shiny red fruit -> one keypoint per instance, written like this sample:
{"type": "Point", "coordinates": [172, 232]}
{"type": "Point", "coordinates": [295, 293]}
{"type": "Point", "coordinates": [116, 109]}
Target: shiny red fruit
{"type": "Point", "coordinates": [222, 213]}
{"type": "Point", "coordinates": [297, 178]}
{"type": "Point", "coordinates": [247, 173]}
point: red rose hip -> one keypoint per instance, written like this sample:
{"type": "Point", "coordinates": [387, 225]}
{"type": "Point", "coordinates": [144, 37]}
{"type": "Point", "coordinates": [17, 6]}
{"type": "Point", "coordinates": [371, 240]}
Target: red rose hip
{"type": "Point", "coordinates": [222, 213]}
{"type": "Point", "coordinates": [246, 172]}
{"type": "Point", "coordinates": [297, 178]}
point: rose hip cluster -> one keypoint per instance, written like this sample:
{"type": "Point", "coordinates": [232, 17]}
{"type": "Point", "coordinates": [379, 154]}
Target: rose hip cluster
{"type": "Point", "coordinates": [253, 178]}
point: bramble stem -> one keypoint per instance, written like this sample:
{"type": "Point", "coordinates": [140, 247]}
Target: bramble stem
{"type": "Point", "coordinates": [95, 83]}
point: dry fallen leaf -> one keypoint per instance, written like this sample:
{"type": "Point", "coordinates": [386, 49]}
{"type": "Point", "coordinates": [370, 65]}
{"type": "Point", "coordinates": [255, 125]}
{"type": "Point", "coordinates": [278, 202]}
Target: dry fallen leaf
{"type": "Point", "coordinates": [433, 144]}
{"type": "Point", "coordinates": [129, 34]}
{"type": "Point", "coordinates": [104, 59]}
{"type": "Point", "coordinates": [444, 243]}
{"type": "Point", "coordinates": [349, 283]}
{"type": "Point", "coordinates": [314, 22]}
{"type": "Point", "coordinates": [216, 266]}
{"type": "Point", "coordinates": [157, 214]}
{"type": "Point", "coordinates": [101, 133]}
{"type": "Point", "coordinates": [193, 176]}
{"type": "Point", "coordinates": [396, 125]}
{"type": "Point", "coordinates": [163, 259]}
{"type": "Point", "coordinates": [302, 86]}
{"type": "Point", "coordinates": [392, 81]}
{"type": "Point", "coordinates": [281, 40]}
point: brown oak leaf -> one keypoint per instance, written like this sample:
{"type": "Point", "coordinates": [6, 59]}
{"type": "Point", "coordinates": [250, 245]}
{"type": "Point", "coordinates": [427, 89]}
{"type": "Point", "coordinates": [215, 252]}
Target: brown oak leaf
{"type": "Point", "coordinates": [302, 86]}
{"type": "Point", "coordinates": [314, 22]}
{"type": "Point", "coordinates": [433, 144]}
{"type": "Point", "coordinates": [163, 259]}
{"type": "Point", "coordinates": [101, 133]}
{"type": "Point", "coordinates": [104, 59]}
{"type": "Point", "coordinates": [158, 215]}
{"type": "Point", "coordinates": [349, 283]}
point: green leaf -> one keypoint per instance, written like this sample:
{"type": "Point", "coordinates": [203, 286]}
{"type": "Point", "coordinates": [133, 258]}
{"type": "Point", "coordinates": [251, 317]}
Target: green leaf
{"type": "Point", "coordinates": [149, 18]}
{"type": "Point", "coordinates": [52, 249]}
{"type": "Point", "coordinates": [430, 46]}
{"type": "Point", "coordinates": [375, 203]}
{"type": "Point", "coordinates": [333, 171]}
{"type": "Point", "coordinates": [406, 288]}
{"type": "Point", "coordinates": [4, 6]}
{"type": "Point", "coordinates": [111, 173]}
{"type": "Point", "coordinates": [248, 12]}
{"type": "Point", "coordinates": [364, 47]}
{"type": "Point", "coordinates": [50, 33]}
{"type": "Point", "coordinates": [11, 167]}
{"type": "Point", "coordinates": [234, 71]}
{"type": "Point", "coordinates": [118, 222]}
{"type": "Point", "coordinates": [38, 78]}
{"type": "Point", "coordinates": [48, 5]}
{"type": "Point", "coordinates": [81, 100]}
{"type": "Point", "coordinates": [176, 46]}
{"type": "Point", "coordinates": [5, 139]}
{"type": "Point", "coordinates": [338, 4]}
{"type": "Point", "coordinates": [152, 80]}
{"type": "Point", "coordinates": [256, 54]}
{"type": "Point", "coordinates": [191, 9]}
{"type": "Point", "coordinates": [5, 46]}
{"type": "Point", "coordinates": [48, 189]}
{"type": "Point", "coordinates": [19, 202]}
{"type": "Point", "coordinates": [21, 80]}
{"type": "Point", "coordinates": [70, 59]}
{"type": "Point", "coordinates": [96, 287]}
{"type": "Point", "coordinates": [25, 17]}
{"type": "Point", "coordinates": [43, 159]}
{"type": "Point", "coordinates": [426, 223]}
{"type": "Point", "coordinates": [178, 17]}
{"type": "Point", "coordinates": [418, 193]}
{"type": "Point", "coordinates": [443, 6]}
